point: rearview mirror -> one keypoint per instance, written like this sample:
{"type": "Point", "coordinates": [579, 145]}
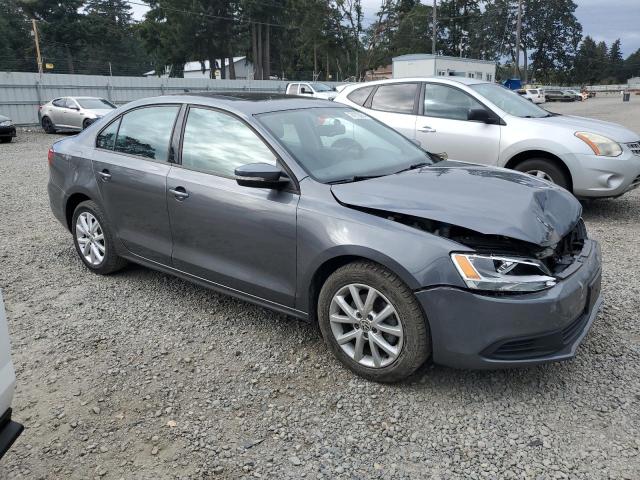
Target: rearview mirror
{"type": "Point", "coordinates": [261, 175]}
{"type": "Point", "coordinates": [480, 115]}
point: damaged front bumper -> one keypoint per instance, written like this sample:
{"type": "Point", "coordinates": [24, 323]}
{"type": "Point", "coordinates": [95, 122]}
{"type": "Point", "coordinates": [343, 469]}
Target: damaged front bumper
{"type": "Point", "coordinates": [477, 330]}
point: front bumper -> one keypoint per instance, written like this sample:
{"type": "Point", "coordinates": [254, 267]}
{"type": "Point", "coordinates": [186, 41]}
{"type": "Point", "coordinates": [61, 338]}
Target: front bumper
{"type": "Point", "coordinates": [472, 330]}
{"type": "Point", "coordinates": [9, 432]}
{"type": "Point", "coordinates": [604, 176]}
{"type": "Point", "coordinates": [8, 132]}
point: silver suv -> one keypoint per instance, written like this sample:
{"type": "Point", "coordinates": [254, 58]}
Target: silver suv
{"type": "Point", "coordinates": [480, 122]}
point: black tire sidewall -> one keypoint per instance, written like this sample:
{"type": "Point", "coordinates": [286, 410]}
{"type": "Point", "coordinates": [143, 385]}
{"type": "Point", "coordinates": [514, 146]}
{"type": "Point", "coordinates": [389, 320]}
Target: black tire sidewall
{"type": "Point", "coordinates": [557, 175]}
{"type": "Point", "coordinates": [416, 347]}
{"type": "Point", "coordinates": [49, 128]}
{"type": "Point", "coordinates": [111, 261]}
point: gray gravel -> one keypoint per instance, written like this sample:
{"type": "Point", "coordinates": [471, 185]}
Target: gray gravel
{"type": "Point", "coordinates": [141, 375]}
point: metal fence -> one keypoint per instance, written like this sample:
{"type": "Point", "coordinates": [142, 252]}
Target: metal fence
{"type": "Point", "coordinates": [21, 93]}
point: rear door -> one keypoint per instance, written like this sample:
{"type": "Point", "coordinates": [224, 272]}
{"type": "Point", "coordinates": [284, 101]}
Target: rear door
{"type": "Point", "coordinates": [396, 105]}
{"type": "Point", "coordinates": [240, 237]}
{"type": "Point", "coordinates": [443, 126]}
{"type": "Point", "coordinates": [131, 163]}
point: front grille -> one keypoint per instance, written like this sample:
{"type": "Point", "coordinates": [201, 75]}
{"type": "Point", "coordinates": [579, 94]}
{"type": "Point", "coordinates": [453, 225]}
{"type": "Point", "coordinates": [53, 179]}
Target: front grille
{"type": "Point", "coordinates": [634, 147]}
{"type": "Point", "coordinates": [539, 346]}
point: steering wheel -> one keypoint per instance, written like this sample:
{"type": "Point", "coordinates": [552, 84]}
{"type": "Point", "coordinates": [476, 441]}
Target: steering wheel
{"type": "Point", "coordinates": [349, 145]}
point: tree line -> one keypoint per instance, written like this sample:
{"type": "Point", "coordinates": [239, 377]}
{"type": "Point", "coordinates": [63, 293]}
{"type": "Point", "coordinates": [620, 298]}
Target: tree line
{"type": "Point", "coordinates": [305, 39]}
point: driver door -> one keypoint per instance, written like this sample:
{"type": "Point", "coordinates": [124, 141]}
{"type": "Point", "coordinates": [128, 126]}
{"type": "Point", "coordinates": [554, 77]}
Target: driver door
{"type": "Point", "coordinates": [243, 238]}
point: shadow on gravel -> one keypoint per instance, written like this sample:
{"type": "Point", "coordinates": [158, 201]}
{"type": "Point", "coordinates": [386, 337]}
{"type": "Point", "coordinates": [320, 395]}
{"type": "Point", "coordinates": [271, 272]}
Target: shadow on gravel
{"type": "Point", "coordinates": [614, 209]}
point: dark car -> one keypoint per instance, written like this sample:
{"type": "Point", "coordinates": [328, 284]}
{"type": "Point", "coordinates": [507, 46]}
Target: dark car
{"type": "Point", "coordinates": [559, 96]}
{"type": "Point", "coordinates": [318, 211]}
{"type": "Point", "coordinates": [7, 129]}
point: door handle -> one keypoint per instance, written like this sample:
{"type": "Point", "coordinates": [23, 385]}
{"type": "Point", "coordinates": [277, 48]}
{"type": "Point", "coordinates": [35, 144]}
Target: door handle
{"type": "Point", "coordinates": [426, 129]}
{"type": "Point", "coordinates": [179, 192]}
{"type": "Point", "coordinates": [106, 176]}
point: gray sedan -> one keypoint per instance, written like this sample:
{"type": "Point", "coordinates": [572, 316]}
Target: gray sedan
{"type": "Point", "coordinates": [72, 113]}
{"type": "Point", "coordinates": [319, 211]}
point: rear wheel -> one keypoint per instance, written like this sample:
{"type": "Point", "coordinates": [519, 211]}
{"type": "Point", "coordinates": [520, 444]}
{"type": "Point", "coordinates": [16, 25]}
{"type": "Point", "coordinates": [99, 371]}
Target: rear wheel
{"type": "Point", "coordinates": [544, 169]}
{"type": "Point", "coordinates": [372, 322]}
{"type": "Point", "coordinates": [47, 125]}
{"type": "Point", "coordinates": [93, 239]}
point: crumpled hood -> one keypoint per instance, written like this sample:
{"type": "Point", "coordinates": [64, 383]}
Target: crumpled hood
{"type": "Point", "coordinates": [488, 200]}
{"type": "Point", "coordinates": [611, 130]}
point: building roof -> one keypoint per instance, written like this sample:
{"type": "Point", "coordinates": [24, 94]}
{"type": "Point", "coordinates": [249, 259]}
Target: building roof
{"type": "Point", "coordinates": [428, 56]}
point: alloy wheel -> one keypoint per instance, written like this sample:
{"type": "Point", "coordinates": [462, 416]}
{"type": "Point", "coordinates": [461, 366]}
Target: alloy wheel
{"type": "Point", "coordinates": [90, 238]}
{"type": "Point", "coordinates": [366, 325]}
{"type": "Point", "coordinates": [541, 174]}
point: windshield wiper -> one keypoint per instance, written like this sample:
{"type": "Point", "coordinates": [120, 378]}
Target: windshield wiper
{"type": "Point", "coordinates": [414, 166]}
{"type": "Point", "coordinates": [355, 178]}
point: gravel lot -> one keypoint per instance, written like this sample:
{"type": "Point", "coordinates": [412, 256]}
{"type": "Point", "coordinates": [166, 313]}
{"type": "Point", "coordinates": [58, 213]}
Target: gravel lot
{"type": "Point", "coordinates": [141, 375]}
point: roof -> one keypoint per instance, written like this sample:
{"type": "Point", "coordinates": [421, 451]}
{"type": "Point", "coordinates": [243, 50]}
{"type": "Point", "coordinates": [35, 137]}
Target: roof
{"type": "Point", "coordinates": [247, 103]}
{"type": "Point", "coordinates": [447, 80]}
{"type": "Point", "coordinates": [429, 56]}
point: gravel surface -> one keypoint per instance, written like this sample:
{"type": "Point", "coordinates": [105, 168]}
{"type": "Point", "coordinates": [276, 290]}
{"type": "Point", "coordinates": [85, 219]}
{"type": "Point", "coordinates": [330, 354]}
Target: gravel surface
{"type": "Point", "coordinates": [141, 375]}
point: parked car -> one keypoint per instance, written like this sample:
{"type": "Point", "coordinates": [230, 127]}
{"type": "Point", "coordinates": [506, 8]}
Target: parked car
{"type": "Point", "coordinates": [559, 96]}
{"type": "Point", "coordinates": [72, 113]}
{"type": "Point", "coordinates": [7, 129]}
{"type": "Point", "coordinates": [481, 122]}
{"type": "Point", "coordinates": [321, 212]}
{"type": "Point", "coordinates": [9, 429]}
{"type": "Point", "coordinates": [580, 97]}
{"type": "Point", "coordinates": [535, 95]}
{"type": "Point", "coordinates": [311, 89]}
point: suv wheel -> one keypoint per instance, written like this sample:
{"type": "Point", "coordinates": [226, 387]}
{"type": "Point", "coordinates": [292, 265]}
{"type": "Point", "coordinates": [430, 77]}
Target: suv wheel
{"type": "Point", "coordinates": [93, 239]}
{"type": "Point", "coordinates": [47, 125]}
{"type": "Point", "coordinates": [372, 322]}
{"type": "Point", "coordinates": [545, 169]}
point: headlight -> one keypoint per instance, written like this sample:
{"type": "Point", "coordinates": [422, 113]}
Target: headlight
{"type": "Point", "coordinates": [599, 144]}
{"type": "Point", "coordinates": [6, 123]}
{"type": "Point", "coordinates": [500, 273]}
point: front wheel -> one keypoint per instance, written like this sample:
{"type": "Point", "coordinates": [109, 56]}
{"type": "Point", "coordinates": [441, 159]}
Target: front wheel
{"type": "Point", "coordinates": [373, 323]}
{"type": "Point", "coordinates": [544, 169]}
{"type": "Point", "coordinates": [93, 239]}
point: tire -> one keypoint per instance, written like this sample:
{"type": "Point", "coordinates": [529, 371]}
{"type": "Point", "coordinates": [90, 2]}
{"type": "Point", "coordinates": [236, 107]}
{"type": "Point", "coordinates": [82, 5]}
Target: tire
{"type": "Point", "coordinates": [412, 349]}
{"type": "Point", "coordinates": [111, 261]}
{"type": "Point", "coordinates": [554, 173]}
{"type": "Point", "coordinates": [85, 123]}
{"type": "Point", "coordinates": [6, 139]}
{"type": "Point", "coordinates": [47, 125]}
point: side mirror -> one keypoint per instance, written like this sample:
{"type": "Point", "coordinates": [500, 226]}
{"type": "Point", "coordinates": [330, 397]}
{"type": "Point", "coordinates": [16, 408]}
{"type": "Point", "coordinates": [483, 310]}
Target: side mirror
{"type": "Point", "coordinates": [481, 115]}
{"type": "Point", "coordinates": [73, 107]}
{"type": "Point", "coordinates": [261, 175]}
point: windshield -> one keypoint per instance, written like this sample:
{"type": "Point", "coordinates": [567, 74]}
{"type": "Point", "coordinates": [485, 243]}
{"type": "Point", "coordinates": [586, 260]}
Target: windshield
{"type": "Point", "coordinates": [321, 87]}
{"type": "Point", "coordinates": [95, 103]}
{"type": "Point", "coordinates": [509, 101]}
{"type": "Point", "coordinates": [340, 144]}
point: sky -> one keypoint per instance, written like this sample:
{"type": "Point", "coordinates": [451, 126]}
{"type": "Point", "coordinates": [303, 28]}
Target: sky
{"type": "Point", "coordinates": [602, 19]}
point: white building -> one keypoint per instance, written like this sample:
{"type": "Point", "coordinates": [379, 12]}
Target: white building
{"type": "Point", "coordinates": [244, 69]}
{"type": "Point", "coordinates": [426, 65]}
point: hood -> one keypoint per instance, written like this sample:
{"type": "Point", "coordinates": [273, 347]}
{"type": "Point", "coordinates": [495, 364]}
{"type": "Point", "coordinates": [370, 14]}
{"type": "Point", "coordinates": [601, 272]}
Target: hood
{"type": "Point", "coordinates": [491, 201]}
{"type": "Point", "coordinates": [613, 131]}
{"type": "Point", "coordinates": [98, 112]}
{"type": "Point", "coordinates": [326, 95]}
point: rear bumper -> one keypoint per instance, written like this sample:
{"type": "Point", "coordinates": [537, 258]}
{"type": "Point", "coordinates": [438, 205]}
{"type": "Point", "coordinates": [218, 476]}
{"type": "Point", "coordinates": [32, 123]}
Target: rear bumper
{"type": "Point", "coordinates": [471, 330]}
{"type": "Point", "coordinates": [9, 432]}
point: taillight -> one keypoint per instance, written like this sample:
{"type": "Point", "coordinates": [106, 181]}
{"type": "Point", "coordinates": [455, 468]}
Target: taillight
{"type": "Point", "coordinates": [50, 156]}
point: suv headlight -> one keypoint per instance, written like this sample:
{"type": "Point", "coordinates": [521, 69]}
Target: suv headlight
{"type": "Point", "coordinates": [500, 273]}
{"type": "Point", "coordinates": [6, 123]}
{"type": "Point", "coordinates": [600, 144]}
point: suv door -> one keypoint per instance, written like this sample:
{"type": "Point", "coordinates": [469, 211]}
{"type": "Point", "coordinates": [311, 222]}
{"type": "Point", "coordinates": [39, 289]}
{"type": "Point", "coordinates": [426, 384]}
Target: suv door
{"type": "Point", "coordinates": [131, 163]}
{"type": "Point", "coordinates": [240, 237]}
{"type": "Point", "coordinates": [395, 104]}
{"type": "Point", "coordinates": [443, 126]}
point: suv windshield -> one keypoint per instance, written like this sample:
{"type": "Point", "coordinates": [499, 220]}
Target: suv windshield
{"type": "Point", "coordinates": [509, 101]}
{"type": "Point", "coordinates": [340, 144]}
{"type": "Point", "coordinates": [321, 87]}
{"type": "Point", "coordinates": [95, 103]}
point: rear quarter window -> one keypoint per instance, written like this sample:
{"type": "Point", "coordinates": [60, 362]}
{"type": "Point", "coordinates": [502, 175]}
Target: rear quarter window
{"type": "Point", "coordinates": [360, 95]}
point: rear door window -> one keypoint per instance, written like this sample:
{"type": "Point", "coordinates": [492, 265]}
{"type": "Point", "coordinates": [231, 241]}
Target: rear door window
{"type": "Point", "coordinates": [360, 95]}
{"type": "Point", "coordinates": [292, 89]}
{"type": "Point", "coordinates": [146, 132]}
{"type": "Point", "coordinates": [396, 97]}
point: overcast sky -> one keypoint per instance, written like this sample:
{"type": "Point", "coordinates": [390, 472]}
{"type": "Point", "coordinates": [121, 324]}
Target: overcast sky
{"type": "Point", "coordinates": [602, 19]}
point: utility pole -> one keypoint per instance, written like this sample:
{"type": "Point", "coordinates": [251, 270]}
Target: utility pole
{"type": "Point", "coordinates": [518, 33]}
{"type": "Point", "coordinates": [434, 29]}
{"type": "Point", "coordinates": [37, 40]}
